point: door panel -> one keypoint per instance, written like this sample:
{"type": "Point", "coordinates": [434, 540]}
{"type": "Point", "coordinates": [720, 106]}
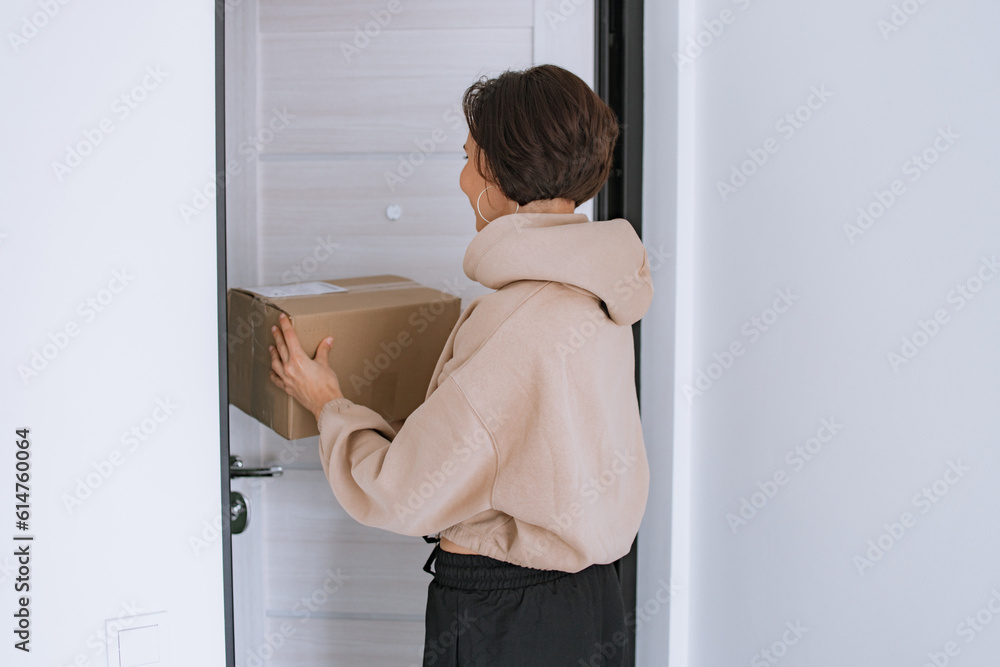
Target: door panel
{"type": "Point", "coordinates": [354, 642]}
{"type": "Point", "coordinates": [312, 539]}
{"type": "Point", "coordinates": [113, 366]}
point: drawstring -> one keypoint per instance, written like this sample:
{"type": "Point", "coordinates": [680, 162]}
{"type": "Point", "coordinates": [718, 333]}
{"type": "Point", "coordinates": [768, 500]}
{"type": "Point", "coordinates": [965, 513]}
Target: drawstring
{"type": "Point", "coordinates": [430, 559]}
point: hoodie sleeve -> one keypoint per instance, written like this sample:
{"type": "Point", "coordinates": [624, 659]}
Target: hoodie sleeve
{"type": "Point", "coordinates": [437, 471]}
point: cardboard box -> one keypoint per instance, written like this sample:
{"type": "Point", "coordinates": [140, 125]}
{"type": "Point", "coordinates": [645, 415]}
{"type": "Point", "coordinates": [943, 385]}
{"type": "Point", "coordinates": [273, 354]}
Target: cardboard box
{"type": "Point", "coordinates": [388, 333]}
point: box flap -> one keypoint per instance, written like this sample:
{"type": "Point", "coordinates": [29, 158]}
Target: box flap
{"type": "Point", "coordinates": [357, 293]}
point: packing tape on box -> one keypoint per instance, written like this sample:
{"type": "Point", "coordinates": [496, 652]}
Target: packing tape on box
{"type": "Point", "coordinates": [320, 287]}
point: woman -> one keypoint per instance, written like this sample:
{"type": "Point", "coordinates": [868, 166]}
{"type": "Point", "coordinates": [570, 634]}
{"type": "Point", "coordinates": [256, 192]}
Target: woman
{"type": "Point", "coordinates": [527, 457]}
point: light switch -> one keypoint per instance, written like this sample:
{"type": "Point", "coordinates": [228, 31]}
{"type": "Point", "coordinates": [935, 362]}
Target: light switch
{"type": "Point", "coordinates": [139, 646]}
{"type": "Point", "coordinates": [140, 640]}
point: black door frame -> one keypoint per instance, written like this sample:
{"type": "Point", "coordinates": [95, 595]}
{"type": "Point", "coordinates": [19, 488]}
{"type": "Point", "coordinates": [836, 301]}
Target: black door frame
{"type": "Point", "coordinates": [619, 73]}
{"type": "Point", "coordinates": [220, 235]}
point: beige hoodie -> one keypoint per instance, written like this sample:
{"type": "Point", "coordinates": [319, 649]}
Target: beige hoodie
{"type": "Point", "coordinates": [528, 446]}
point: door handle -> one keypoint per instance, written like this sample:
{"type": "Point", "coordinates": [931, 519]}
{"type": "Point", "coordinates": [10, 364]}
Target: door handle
{"type": "Point", "coordinates": [236, 469]}
{"type": "Point", "coordinates": [239, 505]}
{"type": "Point", "coordinates": [239, 512]}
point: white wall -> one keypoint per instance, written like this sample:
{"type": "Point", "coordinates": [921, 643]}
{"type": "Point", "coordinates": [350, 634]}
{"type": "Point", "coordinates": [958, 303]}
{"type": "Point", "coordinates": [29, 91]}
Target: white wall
{"type": "Point", "coordinates": [658, 585]}
{"type": "Point", "coordinates": [809, 554]}
{"type": "Point", "coordinates": [100, 275]}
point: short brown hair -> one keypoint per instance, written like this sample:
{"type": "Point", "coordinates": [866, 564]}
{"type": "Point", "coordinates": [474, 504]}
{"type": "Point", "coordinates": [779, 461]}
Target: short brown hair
{"type": "Point", "coordinates": [542, 133]}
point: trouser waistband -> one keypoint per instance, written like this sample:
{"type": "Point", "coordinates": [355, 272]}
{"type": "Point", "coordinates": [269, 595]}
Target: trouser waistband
{"type": "Point", "coordinates": [474, 572]}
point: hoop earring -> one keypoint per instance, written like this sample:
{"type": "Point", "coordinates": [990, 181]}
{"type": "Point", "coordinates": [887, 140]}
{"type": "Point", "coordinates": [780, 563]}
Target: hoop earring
{"type": "Point", "coordinates": [481, 196]}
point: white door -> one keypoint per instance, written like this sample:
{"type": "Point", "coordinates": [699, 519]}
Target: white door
{"type": "Point", "coordinates": [111, 381]}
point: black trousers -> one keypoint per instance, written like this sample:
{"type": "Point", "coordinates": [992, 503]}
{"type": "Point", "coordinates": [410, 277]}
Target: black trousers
{"type": "Point", "coordinates": [483, 612]}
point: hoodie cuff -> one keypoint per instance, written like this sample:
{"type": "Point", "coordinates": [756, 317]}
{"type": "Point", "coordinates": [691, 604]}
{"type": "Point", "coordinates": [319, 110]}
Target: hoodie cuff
{"type": "Point", "coordinates": [333, 407]}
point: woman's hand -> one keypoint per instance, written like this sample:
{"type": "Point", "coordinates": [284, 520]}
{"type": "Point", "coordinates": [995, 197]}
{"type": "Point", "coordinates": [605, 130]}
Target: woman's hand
{"type": "Point", "coordinates": [311, 382]}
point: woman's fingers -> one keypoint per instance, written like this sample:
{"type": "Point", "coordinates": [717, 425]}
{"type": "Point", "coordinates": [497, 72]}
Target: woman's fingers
{"type": "Point", "coordinates": [323, 351]}
{"type": "Point", "coordinates": [308, 380]}
{"type": "Point", "coordinates": [279, 344]}
{"type": "Point", "coordinates": [277, 365]}
{"type": "Point", "coordinates": [288, 337]}
{"type": "Point", "coordinates": [284, 337]}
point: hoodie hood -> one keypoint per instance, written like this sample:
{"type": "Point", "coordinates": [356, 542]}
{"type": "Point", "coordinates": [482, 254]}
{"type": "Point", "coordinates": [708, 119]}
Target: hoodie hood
{"type": "Point", "coordinates": [605, 258]}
